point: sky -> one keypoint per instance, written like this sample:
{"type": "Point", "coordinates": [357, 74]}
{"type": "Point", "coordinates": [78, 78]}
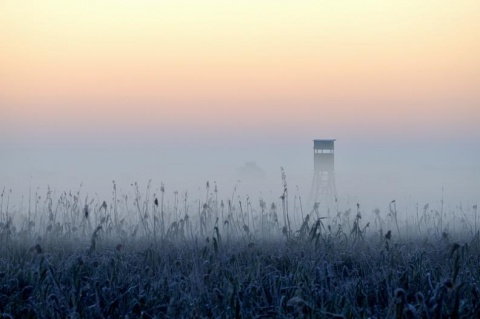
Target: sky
{"type": "Point", "coordinates": [184, 91]}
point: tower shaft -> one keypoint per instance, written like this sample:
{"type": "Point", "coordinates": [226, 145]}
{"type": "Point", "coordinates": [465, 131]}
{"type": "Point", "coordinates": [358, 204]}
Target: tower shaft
{"type": "Point", "coordinates": [323, 183]}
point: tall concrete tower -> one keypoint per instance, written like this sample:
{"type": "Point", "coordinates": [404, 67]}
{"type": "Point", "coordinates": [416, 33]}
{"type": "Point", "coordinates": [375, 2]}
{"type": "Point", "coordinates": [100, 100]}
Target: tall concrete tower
{"type": "Point", "coordinates": [323, 183]}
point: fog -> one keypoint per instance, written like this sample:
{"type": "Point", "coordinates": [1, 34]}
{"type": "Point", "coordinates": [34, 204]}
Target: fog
{"type": "Point", "coordinates": [368, 171]}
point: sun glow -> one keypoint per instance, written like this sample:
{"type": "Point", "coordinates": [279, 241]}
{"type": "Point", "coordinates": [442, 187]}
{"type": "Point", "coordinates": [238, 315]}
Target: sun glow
{"type": "Point", "coordinates": [202, 61]}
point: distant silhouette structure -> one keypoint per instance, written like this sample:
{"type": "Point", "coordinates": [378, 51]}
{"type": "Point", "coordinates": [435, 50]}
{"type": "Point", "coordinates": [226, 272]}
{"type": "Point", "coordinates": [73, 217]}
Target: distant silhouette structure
{"type": "Point", "coordinates": [323, 184]}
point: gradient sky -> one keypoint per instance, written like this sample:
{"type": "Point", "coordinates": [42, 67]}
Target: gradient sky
{"type": "Point", "coordinates": [263, 73]}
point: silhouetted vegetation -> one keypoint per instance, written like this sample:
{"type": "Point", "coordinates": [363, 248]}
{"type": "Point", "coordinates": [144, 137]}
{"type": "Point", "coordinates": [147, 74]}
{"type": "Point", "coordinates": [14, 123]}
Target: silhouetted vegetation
{"type": "Point", "coordinates": [77, 257]}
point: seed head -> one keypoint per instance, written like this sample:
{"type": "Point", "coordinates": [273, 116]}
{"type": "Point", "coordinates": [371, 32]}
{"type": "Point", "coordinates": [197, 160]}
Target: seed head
{"type": "Point", "coordinates": [388, 235]}
{"type": "Point", "coordinates": [86, 211]}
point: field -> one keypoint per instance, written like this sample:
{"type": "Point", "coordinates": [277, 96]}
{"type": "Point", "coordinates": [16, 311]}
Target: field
{"type": "Point", "coordinates": [149, 256]}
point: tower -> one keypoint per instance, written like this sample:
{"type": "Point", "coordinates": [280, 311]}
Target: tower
{"type": "Point", "coordinates": [323, 183]}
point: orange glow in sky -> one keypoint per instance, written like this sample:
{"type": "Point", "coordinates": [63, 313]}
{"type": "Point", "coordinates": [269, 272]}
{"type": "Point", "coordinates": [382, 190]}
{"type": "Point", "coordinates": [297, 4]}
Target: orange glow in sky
{"type": "Point", "coordinates": [224, 64]}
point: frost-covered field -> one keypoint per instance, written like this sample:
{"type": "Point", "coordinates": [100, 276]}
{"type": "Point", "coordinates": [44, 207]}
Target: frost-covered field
{"type": "Point", "coordinates": [167, 256]}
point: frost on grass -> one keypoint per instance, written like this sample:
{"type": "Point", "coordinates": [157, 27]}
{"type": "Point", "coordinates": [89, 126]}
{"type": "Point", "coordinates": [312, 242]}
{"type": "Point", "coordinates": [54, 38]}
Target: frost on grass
{"type": "Point", "coordinates": [148, 256]}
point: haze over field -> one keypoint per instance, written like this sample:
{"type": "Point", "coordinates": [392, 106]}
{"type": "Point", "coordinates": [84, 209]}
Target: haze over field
{"type": "Point", "coordinates": [182, 92]}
